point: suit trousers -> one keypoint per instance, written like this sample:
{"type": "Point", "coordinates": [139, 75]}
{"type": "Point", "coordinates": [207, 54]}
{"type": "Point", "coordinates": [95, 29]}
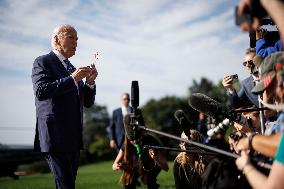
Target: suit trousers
{"type": "Point", "coordinates": [64, 167]}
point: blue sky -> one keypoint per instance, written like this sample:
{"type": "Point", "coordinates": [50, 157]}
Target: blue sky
{"type": "Point", "coordinates": [161, 43]}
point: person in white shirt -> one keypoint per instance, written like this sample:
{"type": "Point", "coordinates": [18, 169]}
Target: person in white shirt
{"type": "Point", "coordinates": [116, 128]}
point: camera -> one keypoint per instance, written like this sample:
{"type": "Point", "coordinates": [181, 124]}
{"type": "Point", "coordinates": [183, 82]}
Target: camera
{"type": "Point", "coordinates": [235, 78]}
{"type": "Point", "coordinates": [236, 137]}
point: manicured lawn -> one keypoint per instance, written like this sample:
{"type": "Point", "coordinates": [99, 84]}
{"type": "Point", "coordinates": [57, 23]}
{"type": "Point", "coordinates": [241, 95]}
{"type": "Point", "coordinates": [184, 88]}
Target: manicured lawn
{"type": "Point", "coordinates": [99, 175]}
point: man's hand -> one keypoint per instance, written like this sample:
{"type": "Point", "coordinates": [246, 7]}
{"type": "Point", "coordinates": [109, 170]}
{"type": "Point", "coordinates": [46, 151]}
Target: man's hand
{"type": "Point", "coordinates": [90, 79]}
{"type": "Point", "coordinates": [160, 159]}
{"type": "Point", "coordinates": [242, 5]}
{"type": "Point", "coordinates": [243, 161]}
{"type": "Point", "coordinates": [117, 166]}
{"type": "Point", "coordinates": [228, 83]}
{"type": "Point", "coordinates": [260, 33]}
{"type": "Point", "coordinates": [112, 144]}
{"type": "Point", "coordinates": [80, 73]}
{"type": "Point", "coordinates": [244, 129]}
{"type": "Point", "coordinates": [232, 144]}
{"type": "Point", "coordinates": [242, 144]}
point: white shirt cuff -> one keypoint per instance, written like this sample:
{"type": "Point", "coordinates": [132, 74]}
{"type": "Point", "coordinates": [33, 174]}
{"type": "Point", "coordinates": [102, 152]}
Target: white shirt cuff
{"type": "Point", "coordinates": [91, 86]}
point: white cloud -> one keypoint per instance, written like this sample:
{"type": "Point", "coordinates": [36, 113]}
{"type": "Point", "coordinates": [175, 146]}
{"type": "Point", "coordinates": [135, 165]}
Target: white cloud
{"type": "Point", "coordinates": [163, 44]}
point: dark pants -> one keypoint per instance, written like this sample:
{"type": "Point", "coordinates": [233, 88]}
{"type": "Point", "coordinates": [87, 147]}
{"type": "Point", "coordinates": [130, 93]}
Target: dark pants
{"type": "Point", "coordinates": [64, 167]}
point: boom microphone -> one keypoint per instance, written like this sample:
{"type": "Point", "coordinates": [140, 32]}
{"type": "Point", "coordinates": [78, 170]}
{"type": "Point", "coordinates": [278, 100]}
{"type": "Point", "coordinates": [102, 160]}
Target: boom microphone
{"type": "Point", "coordinates": [210, 107]}
{"type": "Point", "coordinates": [184, 122]}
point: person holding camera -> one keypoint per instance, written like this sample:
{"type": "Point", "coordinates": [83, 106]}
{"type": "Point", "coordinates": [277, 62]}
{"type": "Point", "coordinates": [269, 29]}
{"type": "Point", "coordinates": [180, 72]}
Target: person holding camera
{"type": "Point", "coordinates": [271, 85]}
{"type": "Point", "coordinates": [262, 47]}
{"type": "Point", "coordinates": [244, 97]}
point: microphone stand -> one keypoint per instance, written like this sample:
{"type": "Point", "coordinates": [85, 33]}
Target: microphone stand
{"type": "Point", "coordinates": [259, 163]}
{"type": "Point", "coordinates": [251, 109]}
{"type": "Point", "coordinates": [178, 150]}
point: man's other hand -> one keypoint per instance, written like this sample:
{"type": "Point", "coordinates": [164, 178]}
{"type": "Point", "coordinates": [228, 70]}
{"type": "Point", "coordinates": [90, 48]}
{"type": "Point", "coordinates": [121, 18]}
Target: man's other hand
{"type": "Point", "coordinates": [80, 73]}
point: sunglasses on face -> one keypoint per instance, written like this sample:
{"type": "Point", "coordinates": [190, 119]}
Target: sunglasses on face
{"type": "Point", "coordinates": [249, 62]}
{"type": "Point", "coordinates": [125, 99]}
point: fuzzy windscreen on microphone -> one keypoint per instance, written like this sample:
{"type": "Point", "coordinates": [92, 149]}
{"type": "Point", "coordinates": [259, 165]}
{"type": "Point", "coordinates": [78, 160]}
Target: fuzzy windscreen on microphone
{"type": "Point", "coordinates": [128, 127]}
{"type": "Point", "coordinates": [205, 104]}
{"type": "Point", "coordinates": [131, 129]}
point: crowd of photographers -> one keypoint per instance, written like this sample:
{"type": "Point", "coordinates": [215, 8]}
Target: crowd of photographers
{"type": "Point", "coordinates": [257, 138]}
{"type": "Point", "coordinates": [261, 135]}
{"type": "Point", "coordinates": [264, 87]}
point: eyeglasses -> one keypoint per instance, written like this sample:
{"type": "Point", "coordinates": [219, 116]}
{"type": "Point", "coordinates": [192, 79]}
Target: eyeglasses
{"type": "Point", "coordinates": [250, 62]}
{"type": "Point", "coordinates": [125, 99]}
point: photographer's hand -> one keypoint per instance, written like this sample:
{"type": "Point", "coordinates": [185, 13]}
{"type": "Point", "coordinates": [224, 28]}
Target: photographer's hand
{"type": "Point", "coordinates": [228, 83]}
{"type": "Point", "coordinates": [242, 144]}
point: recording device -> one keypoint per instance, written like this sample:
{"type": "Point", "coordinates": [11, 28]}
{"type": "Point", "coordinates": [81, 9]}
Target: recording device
{"type": "Point", "coordinates": [235, 78]}
{"type": "Point", "coordinates": [132, 121]}
{"type": "Point", "coordinates": [236, 137]}
{"type": "Point", "coordinates": [221, 127]}
{"type": "Point", "coordinates": [184, 122]}
{"type": "Point", "coordinates": [210, 107]}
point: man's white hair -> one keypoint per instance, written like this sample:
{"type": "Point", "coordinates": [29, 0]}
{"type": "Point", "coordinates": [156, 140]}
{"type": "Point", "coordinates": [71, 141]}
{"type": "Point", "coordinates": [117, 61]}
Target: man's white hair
{"type": "Point", "coordinates": [60, 31]}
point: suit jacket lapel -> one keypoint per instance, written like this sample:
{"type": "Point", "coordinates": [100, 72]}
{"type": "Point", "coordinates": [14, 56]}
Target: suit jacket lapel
{"type": "Point", "coordinates": [58, 63]}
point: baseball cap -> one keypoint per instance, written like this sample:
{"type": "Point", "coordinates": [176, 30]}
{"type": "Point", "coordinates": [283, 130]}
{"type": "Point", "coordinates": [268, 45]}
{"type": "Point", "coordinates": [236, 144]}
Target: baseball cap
{"type": "Point", "coordinates": [268, 69]}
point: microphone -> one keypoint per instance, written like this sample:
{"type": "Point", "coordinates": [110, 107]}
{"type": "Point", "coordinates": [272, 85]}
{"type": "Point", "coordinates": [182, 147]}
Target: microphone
{"type": "Point", "coordinates": [128, 127]}
{"type": "Point", "coordinates": [184, 122]}
{"type": "Point", "coordinates": [131, 121]}
{"type": "Point", "coordinates": [210, 107]}
{"type": "Point", "coordinates": [134, 95]}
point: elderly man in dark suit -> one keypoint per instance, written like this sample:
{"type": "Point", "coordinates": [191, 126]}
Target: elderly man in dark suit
{"type": "Point", "coordinates": [244, 97]}
{"type": "Point", "coordinates": [116, 128]}
{"type": "Point", "coordinates": [60, 95]}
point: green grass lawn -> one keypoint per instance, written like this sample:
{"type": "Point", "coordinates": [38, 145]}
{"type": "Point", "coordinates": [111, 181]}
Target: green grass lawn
{"type": "Point", "coordinates": [98, 175]}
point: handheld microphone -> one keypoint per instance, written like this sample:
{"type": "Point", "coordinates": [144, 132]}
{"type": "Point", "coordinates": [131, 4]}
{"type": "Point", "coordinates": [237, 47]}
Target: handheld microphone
{"type": "Point", "coordinates": [184, 122]}
{"type": "Point", "coordinates": [210, 107]}
{"type": "Point", "coordinates": [131, 120]}
{"type": "Point", "coordinates": [134, 96]}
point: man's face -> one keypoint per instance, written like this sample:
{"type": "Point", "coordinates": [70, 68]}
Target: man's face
{"type": "Point", "coordinates": [125, 100]}
{"type": "Point", "coordinates": [68, 43]}
{"type": "Point", "coordinates": [248, 61]}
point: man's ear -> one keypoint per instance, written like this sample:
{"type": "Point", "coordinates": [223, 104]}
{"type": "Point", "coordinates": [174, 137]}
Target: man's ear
{"type": "Point", "coordinates": [57, 40]}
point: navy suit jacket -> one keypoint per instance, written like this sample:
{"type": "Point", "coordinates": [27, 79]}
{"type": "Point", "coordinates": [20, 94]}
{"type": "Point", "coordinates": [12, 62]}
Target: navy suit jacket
{"type": "Point", "coordinates": [244, 97]}
{"type": "Point", "coordinates": [59, 106]}
{"type": "Point", "coordinates": [117, 127]}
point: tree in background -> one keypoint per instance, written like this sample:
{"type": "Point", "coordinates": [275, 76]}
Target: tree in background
{"type": "Point", "coordinates": [206, 87]}
{"type": "Point", "coordinates": [96, 144]}
{"type": "Point", "coordinates": [158, 114]}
